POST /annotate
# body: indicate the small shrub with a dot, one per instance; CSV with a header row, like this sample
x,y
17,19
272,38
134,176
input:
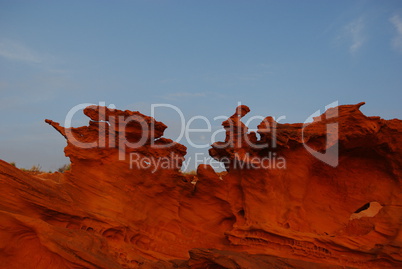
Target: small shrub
x,y
190,173
64,168
36,169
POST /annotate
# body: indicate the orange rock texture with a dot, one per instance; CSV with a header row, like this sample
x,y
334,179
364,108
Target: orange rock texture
x,y
321,195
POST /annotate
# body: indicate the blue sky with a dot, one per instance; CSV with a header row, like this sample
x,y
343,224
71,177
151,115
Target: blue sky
x,y
281,58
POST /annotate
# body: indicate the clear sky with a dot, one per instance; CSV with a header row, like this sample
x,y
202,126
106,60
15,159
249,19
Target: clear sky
x,y
281,58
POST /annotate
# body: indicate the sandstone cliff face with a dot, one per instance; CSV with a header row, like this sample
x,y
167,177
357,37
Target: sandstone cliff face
x,y
125,203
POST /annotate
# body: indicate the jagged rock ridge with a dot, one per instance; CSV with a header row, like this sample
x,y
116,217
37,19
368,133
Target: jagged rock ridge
x,y
303,213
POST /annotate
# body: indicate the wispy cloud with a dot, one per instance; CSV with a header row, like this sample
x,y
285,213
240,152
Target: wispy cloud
x,y
15,51
397,40
354,31
352,35
178,95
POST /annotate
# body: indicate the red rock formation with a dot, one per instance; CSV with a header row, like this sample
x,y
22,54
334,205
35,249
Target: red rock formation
x,y
278,206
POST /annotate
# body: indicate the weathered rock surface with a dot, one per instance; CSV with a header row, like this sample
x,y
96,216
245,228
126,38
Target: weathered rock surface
x,y
125,203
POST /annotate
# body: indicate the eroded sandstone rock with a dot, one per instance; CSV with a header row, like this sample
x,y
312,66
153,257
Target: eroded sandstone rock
x,y
301,213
